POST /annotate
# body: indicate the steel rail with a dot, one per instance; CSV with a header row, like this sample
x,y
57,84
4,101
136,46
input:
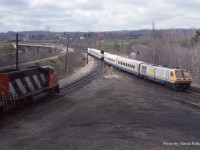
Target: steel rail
x,y
194,94
83,79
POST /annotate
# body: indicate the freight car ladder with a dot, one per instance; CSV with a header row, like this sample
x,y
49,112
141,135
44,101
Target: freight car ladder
x,y
4,101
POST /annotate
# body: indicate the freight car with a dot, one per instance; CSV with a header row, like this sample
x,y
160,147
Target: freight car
x,y
171,77
96,53
20,86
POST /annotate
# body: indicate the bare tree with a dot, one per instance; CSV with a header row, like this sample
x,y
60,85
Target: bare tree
x,y
171,48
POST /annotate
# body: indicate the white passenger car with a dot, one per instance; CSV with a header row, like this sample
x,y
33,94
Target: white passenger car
x,y
96,53
110,58
129,65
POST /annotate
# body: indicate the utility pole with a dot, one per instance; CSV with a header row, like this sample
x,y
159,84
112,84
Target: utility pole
x,y
17,50
99,43
66,60
99,39
17,45
122,46
79,38
96,41
114,45
87,48
87,40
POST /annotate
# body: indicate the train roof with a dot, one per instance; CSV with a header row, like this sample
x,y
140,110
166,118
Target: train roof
x,y
172,69
147,64
130,60
93,49
111,55
47,66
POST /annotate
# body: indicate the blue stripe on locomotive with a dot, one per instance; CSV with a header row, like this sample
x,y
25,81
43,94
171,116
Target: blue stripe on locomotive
x,y
161,81
147,76
129,71
173,85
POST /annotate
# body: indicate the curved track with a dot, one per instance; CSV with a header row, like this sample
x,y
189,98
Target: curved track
x,y
80,81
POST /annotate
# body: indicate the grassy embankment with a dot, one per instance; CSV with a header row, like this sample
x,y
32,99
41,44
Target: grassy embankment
x,y
6,49
74,61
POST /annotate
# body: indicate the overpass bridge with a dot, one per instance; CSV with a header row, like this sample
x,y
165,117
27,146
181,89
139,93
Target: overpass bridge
x,y
44,45
27,47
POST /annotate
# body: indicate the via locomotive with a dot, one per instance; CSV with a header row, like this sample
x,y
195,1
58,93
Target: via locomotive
x,y
21,86
178,79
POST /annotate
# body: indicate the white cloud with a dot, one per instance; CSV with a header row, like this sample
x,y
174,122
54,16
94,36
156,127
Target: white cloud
x,y
97,15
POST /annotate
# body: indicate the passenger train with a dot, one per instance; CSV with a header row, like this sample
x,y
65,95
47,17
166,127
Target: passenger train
x,y
178,79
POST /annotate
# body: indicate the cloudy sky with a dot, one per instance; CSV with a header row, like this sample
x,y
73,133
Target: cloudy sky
x,y
97,15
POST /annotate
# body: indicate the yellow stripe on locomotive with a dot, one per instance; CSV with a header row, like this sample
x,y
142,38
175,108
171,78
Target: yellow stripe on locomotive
x,y
180,76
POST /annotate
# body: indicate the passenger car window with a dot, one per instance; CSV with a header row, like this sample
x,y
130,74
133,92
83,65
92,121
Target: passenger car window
x,y
143,69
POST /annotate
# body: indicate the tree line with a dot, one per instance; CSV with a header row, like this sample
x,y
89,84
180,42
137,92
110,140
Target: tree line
x,y
172,49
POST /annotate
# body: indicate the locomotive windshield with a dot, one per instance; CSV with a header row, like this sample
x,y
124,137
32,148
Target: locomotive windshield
x,y
186,74
182,74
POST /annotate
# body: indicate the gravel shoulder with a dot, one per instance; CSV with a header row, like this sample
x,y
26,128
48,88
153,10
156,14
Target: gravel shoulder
x,y
79,72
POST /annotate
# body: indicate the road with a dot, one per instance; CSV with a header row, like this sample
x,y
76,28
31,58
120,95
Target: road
x,y
114,112
34,61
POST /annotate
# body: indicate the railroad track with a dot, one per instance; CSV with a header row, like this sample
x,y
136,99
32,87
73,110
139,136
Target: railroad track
x,y
189,97
92,74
